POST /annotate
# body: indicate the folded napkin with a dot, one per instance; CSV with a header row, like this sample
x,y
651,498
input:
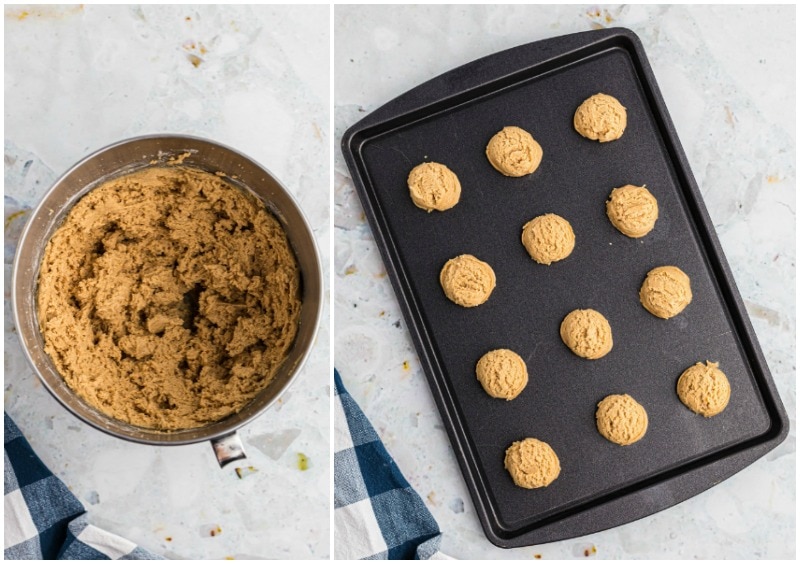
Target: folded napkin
x,y
43,520
377,515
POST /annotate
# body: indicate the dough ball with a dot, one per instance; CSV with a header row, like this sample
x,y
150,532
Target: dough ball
x,y
532,463
513,152
621,419
632,210
433,186
666,291
601,118
587,333
502,373
467,281
548,238
704,389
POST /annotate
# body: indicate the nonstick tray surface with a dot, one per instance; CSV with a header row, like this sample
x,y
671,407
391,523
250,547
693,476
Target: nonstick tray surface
x,y
538,87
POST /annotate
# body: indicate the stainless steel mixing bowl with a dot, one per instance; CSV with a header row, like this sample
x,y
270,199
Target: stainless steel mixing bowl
x,y
128,156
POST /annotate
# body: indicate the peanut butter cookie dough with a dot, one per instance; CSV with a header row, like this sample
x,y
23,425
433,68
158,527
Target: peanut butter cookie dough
x,y
548,238
514,152
704,389
502,373
587,333
621,419
168,298
433,186
467,281
632,210
532,463
601,118
666,291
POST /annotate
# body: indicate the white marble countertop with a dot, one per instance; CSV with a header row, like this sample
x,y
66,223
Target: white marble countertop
x,y
79,78
728,76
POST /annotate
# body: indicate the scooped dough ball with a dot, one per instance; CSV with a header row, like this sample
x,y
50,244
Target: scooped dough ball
x,y
601,118
514,152
633,210
587,333
467,281
433,186
532,463
502,373
666,291
548,238
621,419
704,389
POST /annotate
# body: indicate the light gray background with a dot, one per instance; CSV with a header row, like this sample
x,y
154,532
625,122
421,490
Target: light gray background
x,y
78,78
728,76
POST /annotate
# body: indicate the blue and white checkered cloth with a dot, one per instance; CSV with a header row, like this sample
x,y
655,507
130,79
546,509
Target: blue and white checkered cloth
x,y
377,515
43,520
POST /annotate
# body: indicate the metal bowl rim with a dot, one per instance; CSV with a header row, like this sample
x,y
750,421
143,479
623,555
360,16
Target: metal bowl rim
x,y
224,430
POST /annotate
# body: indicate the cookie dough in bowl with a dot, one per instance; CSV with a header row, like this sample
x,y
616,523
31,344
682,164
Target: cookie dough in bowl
x,y
171,152
168,298
532,463
587,333
548,238
666,291
467,280
633,210
502,373
704,389
433,186
621,419
514,152
601,118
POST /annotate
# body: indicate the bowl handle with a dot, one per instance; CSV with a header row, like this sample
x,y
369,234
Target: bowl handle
x,y
228,448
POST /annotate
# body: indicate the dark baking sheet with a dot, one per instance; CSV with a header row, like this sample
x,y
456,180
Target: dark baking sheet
x,y
538,87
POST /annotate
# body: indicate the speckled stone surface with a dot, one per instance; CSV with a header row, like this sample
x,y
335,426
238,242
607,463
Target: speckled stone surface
x,y
728,77
256,79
